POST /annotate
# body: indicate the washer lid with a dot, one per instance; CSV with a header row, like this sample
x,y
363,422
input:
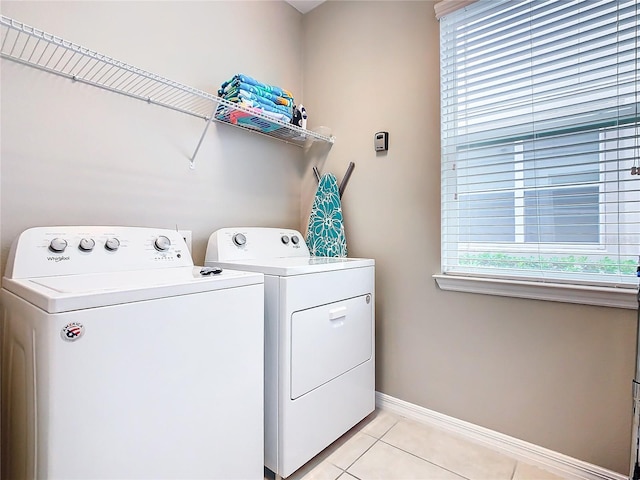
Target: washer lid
x,y
288,266
76,292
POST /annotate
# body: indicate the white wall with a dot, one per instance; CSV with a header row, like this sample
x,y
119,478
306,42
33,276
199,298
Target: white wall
x,y
74,154
554,374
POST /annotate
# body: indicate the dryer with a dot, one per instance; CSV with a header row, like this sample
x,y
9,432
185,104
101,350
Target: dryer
x,y
121,359
319,339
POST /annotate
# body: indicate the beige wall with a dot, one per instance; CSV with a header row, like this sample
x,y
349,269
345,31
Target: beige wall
x,y
74,154
554,374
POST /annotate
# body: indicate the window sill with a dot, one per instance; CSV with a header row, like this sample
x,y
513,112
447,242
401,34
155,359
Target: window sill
x,y
555,292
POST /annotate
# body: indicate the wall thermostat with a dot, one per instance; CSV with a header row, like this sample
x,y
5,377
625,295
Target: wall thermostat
x,y
381,141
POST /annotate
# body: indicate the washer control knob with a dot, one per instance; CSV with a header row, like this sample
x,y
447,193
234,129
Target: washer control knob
x,y
162,243
58,245
295,240
239,239
112,244
86,244
284,239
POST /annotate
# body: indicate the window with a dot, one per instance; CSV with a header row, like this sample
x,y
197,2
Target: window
x,y
540,131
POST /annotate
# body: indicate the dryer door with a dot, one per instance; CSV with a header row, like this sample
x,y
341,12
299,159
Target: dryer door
x,y
328,340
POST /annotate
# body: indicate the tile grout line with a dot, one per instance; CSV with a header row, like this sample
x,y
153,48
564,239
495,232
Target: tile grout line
x,y
380,439
460,437
377,439
515,467
417,456
360,456
351,474
425,460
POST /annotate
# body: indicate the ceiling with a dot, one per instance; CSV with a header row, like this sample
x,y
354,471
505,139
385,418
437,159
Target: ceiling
x,y
304,6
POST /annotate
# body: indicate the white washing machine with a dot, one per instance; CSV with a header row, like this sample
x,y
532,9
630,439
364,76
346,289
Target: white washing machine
x,y
121,360
319,339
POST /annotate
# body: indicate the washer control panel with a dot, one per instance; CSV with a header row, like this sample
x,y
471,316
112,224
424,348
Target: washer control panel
x,y
72,250
248,243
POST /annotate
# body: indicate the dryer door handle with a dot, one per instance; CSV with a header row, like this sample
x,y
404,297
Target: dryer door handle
x,y
336,313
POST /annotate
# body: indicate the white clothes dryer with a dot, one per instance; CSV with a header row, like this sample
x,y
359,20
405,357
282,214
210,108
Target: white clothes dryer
x,y
319,339
121,359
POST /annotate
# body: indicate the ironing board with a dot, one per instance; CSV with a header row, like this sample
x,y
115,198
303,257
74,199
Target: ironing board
x,y
325,232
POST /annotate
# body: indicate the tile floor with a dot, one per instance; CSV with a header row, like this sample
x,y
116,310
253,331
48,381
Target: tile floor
x,y
385,446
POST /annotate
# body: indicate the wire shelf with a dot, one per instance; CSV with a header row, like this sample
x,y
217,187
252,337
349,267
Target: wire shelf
x,y
35,48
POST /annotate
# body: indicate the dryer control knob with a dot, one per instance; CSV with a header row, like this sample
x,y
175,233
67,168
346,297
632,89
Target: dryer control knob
x,y
112,244
58,245
239,239
284,239
162,243
295,239
86,244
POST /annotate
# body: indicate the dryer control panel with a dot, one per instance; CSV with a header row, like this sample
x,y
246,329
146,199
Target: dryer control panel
x,y
74,250
250,243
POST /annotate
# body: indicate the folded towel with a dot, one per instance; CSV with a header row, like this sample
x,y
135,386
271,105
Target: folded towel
x,y
233,87
222,112
269,88
276,116
269,100
238,117
258,101
269,113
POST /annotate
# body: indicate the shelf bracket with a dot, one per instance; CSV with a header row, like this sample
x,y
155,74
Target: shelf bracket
x,y
192,160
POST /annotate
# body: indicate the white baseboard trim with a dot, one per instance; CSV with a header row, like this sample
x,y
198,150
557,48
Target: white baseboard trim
x,y
546,459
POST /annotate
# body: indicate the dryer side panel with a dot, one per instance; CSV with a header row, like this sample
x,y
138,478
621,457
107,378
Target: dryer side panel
x,y
271,376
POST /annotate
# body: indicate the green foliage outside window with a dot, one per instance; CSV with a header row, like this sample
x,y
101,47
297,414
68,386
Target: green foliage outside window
x,y
570,263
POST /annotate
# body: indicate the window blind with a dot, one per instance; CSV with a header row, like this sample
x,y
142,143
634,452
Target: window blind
x,y
540,135
445,7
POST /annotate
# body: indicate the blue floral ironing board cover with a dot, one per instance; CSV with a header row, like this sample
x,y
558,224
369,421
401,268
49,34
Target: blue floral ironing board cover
x,y
325,233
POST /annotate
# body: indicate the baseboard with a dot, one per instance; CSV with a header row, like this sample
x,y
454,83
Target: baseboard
x,y
549,460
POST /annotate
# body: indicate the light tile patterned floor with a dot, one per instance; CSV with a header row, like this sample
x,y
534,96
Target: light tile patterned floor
x,y
385,446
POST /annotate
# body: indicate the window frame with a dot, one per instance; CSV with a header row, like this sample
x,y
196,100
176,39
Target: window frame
x,y
573,290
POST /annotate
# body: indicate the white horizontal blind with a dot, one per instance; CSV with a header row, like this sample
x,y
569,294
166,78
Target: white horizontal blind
x,y
540,131
445,7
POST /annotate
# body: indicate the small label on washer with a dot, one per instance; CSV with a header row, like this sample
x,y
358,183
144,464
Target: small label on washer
x,y
72,331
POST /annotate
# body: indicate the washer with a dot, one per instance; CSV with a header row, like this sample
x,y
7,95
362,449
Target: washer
x,y
123,360
319,339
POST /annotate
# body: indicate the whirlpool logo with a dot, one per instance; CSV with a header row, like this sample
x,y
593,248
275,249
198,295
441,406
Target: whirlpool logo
x,y
57,259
